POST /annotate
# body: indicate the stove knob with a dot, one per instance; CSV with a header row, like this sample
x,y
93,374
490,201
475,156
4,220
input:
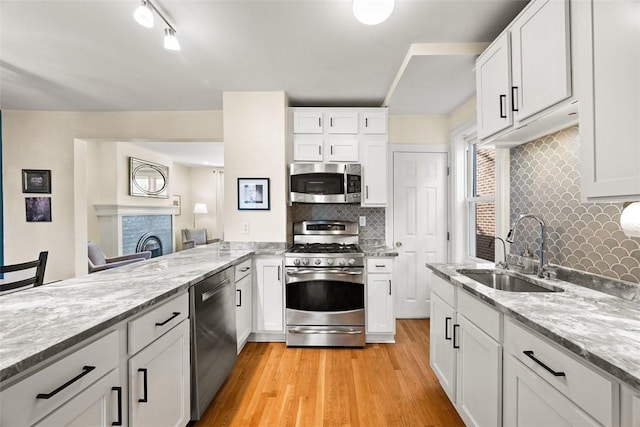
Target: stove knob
x,y
305,261
317,261
352,261
342,262
296,261
329,261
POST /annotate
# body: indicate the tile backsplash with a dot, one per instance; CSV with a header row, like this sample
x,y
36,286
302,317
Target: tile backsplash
x,y
545,180
373,233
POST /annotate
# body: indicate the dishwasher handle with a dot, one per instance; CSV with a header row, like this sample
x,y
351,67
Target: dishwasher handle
x,y
219,288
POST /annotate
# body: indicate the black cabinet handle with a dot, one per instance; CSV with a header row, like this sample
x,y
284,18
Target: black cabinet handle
x,y
239,291
144,385
455,336
278,273
173,316
530,355
389,287
447,336
513,98
319,122
245,269
331,122
366,190
119,391
320,150
366,122
85,371
503,99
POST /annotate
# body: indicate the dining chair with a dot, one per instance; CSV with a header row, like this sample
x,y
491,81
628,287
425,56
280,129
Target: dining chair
x,y
97,261
36,279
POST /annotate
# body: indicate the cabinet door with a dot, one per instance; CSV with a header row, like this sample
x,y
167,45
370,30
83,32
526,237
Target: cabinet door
x,y
159,381
478,375
99,405
493,86
341,149
308,149
629,407
373,156
243,310
269,295
343,122
609,90
442,357
307,122
380,304
530,401
373,122
541,64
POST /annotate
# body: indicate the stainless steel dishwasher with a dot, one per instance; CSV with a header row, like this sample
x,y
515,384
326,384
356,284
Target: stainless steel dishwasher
x,y
213,337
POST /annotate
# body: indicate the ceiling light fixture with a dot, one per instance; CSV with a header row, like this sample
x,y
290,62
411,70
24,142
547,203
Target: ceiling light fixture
x,y
372,12
144,16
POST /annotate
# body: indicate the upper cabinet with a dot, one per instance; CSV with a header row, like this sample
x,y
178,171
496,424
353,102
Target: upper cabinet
x,y
525,74
307,122
606,37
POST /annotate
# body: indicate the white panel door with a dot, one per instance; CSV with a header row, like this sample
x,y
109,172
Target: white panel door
x,y
419,226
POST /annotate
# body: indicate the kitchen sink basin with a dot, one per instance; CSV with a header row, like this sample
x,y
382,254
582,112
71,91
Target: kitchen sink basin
x,y
507,281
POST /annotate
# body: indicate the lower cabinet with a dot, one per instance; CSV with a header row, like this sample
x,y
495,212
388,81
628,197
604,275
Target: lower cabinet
x,y
442,354
243,302
380,320
159,381
269,295
629,407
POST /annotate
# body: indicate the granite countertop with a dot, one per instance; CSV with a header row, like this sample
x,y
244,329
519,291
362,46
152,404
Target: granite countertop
x,y
600,328
38,323
378,250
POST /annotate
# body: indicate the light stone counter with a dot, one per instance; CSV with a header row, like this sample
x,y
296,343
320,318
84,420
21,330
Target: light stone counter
x,y
38,323
600,328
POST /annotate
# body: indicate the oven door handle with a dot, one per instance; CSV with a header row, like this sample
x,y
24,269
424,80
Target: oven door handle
x,y
325,331
303,272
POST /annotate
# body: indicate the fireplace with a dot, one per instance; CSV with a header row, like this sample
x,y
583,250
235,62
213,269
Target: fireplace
x,y
150,242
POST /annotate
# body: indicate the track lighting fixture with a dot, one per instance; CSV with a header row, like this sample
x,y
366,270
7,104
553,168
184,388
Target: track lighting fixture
x,y
144,16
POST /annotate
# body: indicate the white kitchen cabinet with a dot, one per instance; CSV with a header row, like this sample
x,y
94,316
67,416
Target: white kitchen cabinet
x,y
331,149
373,122
343,121
100,404
629,407
269,295
373,157
441,352
159,381
380,316
607,65
243,276
493,88
307,121
540,58
308,149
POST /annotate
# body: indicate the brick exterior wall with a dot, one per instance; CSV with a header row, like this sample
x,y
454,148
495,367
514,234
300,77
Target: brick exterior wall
x,y
486,212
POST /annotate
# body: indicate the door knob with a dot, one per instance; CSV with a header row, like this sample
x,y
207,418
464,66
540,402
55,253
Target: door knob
x,y
398,243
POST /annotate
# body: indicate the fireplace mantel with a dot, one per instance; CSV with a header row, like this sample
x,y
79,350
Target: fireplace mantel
x,y
114,210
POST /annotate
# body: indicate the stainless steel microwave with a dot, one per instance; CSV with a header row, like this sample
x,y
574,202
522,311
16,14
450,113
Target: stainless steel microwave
x,y
325,182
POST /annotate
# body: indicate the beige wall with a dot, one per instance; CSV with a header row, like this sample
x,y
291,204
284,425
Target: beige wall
x,y
255,125
45,140
465,113
418,129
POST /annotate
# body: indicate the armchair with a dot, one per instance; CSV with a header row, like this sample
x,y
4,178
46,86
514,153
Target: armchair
x,y
194,237
98,261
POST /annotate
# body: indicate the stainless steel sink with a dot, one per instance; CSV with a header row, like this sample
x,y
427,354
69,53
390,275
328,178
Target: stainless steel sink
x,y
507,281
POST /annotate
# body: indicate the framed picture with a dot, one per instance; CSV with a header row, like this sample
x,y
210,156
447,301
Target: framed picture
x,y
38,209
253,194
176,202
36,181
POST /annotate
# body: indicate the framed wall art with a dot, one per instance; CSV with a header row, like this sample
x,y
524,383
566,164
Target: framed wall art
x,y
36,181
38,209
176,202
253,194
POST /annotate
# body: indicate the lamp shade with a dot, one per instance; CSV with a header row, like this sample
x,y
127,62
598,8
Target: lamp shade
x,y
200,208
170,40
372,12
630,220
143,15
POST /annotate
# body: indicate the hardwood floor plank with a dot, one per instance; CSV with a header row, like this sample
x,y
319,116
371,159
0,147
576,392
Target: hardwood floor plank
x,y
380,385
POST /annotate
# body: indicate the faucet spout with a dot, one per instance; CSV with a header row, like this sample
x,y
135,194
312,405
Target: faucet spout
x,y
543,235
504,264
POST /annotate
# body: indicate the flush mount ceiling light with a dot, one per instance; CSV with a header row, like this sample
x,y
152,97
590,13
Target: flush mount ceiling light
x,y
372,12
144,16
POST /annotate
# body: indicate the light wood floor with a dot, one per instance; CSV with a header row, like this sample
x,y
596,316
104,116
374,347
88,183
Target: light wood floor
x,y
381,385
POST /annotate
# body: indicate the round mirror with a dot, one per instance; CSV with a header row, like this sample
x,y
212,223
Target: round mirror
x,y
148,179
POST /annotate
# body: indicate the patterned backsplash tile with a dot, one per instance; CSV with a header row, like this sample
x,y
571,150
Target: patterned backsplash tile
x,y
373,231
545,180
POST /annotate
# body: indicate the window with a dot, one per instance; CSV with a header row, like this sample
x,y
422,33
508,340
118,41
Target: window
x,y
481,205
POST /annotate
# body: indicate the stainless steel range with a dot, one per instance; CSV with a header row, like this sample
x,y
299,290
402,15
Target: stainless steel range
x,y
325,285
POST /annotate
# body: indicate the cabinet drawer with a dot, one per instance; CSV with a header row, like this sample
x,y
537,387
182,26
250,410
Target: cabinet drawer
x,y
482,315
379,265
153,324
61,381
443,289
590,390
243,269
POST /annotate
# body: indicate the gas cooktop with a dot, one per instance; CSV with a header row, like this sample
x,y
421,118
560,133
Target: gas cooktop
x,y
325,248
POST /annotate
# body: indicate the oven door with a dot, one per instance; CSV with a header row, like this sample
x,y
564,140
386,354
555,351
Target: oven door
x,y
325,183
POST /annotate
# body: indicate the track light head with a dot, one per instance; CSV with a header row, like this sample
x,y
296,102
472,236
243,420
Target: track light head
x,y
170,39
143,15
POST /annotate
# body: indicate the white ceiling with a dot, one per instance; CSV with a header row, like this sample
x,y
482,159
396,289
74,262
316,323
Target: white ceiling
x,y
91,55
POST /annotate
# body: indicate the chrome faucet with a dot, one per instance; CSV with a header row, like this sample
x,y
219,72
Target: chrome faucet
x,y
504,263
542,267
